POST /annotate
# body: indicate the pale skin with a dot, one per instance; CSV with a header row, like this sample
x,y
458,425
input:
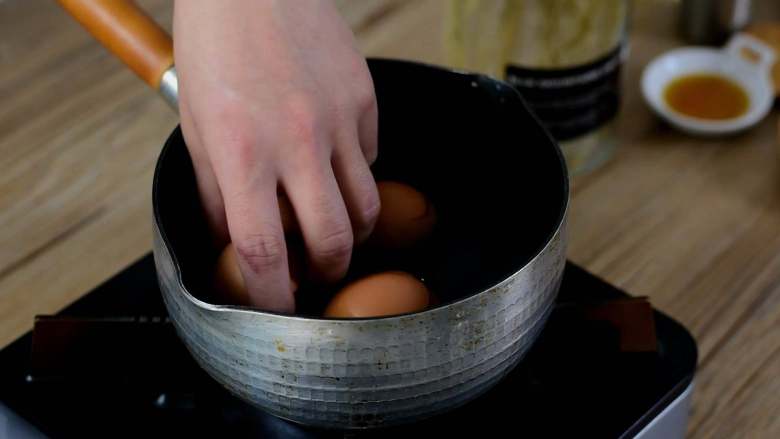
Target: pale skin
x,y
275,99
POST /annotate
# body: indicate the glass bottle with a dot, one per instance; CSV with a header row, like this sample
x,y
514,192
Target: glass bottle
x,y
564,57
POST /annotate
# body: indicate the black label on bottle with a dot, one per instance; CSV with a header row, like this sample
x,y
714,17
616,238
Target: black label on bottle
x,y
575,100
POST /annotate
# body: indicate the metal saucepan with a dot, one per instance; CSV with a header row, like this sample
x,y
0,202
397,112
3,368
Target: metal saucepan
x,y
500,187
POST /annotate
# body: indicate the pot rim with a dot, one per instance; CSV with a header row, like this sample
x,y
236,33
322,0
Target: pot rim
x,y
561,219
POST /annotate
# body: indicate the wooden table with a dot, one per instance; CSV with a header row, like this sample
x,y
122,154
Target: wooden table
x,y
693,224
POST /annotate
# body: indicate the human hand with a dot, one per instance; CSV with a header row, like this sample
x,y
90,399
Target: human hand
x,y
275,99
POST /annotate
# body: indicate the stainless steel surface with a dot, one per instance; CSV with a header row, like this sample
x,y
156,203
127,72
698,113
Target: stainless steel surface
x,y
367,373
713,21
169,88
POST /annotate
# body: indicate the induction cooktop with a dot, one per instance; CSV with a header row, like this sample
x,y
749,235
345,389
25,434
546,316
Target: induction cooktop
x,y
110,365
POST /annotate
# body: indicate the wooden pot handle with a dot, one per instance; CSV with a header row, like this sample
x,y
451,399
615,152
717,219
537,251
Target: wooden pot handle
x,y
124,29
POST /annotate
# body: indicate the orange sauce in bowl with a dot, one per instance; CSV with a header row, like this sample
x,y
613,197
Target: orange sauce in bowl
x,y
707,96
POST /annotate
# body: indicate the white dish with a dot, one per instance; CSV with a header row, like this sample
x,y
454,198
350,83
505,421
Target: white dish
x,y
754,77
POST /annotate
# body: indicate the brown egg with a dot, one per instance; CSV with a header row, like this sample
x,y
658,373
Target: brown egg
x,y
405,218
382,294
229,282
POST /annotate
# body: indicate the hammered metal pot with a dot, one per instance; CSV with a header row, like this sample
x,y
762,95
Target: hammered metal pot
x,y
499,185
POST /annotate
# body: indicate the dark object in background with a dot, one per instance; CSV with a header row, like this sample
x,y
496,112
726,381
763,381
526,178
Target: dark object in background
x,y
713,21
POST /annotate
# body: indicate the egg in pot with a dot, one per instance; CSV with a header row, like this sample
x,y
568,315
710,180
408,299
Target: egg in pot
x,y
405,218
382,294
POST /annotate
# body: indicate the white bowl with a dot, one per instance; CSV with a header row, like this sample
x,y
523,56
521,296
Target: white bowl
x,y
728,62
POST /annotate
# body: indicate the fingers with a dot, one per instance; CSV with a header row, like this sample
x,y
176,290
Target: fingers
x,y
316,199
256,229
358,189
249,190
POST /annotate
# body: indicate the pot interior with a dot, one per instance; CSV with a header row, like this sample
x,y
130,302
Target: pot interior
x,y
495,177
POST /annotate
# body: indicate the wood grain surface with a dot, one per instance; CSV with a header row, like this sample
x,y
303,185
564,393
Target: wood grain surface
x,y
693,224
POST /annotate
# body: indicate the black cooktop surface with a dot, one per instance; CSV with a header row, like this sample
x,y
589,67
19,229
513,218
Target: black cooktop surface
x,y
128,376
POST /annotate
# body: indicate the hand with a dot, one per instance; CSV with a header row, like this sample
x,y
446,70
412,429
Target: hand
x,y
275,99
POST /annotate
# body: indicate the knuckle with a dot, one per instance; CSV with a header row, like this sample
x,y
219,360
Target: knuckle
x,y
368,211
335,246
366,97
242,146
234,133
261,251
302,120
